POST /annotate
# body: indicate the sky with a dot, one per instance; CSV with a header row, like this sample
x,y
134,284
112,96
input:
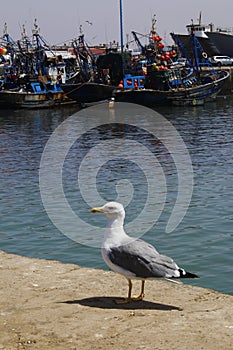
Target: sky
x,y
60,21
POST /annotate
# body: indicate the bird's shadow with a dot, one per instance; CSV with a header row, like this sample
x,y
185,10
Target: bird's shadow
x,y
111,303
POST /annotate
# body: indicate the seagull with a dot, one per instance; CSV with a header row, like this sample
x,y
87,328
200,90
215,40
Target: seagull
x,y
132,257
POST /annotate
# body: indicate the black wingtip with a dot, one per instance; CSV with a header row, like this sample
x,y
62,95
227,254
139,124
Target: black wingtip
x,y
185,274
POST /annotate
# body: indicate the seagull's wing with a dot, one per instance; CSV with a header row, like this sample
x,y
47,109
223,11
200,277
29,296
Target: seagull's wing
x,y
143,260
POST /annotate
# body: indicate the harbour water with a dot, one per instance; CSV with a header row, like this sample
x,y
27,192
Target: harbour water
x,y
201,243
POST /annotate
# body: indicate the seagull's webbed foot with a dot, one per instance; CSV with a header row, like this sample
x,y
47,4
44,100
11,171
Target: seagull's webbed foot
x,y
139,297
130,299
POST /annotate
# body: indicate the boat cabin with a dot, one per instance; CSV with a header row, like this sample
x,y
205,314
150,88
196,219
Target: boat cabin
x,y
134,82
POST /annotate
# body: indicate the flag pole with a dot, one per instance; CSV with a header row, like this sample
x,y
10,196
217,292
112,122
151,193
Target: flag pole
x,y
121,27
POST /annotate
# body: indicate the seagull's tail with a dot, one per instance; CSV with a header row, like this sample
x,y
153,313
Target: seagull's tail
x,y
185,274
182,274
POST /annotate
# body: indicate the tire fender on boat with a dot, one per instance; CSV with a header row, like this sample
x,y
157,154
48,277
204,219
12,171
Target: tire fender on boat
x,y
49,95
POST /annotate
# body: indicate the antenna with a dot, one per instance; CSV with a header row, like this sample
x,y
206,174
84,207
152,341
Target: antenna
x,y
5,29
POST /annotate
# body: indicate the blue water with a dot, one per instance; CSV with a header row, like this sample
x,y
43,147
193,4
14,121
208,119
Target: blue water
x,y
202,243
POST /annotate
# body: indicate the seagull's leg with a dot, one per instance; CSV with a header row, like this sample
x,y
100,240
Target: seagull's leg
x,y
128,299
141,295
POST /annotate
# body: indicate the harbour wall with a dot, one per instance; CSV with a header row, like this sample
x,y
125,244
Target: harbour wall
x,y
228,86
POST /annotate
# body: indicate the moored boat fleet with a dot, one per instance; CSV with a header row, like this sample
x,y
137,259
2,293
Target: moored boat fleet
x,y
35,75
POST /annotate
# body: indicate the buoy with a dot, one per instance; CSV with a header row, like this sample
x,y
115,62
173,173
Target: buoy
x,y
121,84
160,45
157,38
3,51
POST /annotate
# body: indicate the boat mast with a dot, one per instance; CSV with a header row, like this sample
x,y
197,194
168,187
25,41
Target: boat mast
x,y
121,27
153,33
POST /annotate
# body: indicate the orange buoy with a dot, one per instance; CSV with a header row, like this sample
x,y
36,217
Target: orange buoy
x,y
160,45
3,51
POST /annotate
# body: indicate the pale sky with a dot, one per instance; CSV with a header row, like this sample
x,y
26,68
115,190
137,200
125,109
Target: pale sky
x,y
59,21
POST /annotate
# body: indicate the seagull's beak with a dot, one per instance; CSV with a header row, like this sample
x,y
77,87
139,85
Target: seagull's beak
x,y
97,210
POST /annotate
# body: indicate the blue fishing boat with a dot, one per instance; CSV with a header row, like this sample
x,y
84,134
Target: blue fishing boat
x,y
33,95
168,83
173,90
26,81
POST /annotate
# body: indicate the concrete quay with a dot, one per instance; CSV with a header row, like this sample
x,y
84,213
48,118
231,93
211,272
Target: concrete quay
x,y
228,86
47,305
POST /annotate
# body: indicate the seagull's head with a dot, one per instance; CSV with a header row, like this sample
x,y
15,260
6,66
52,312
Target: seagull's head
x,y
111,209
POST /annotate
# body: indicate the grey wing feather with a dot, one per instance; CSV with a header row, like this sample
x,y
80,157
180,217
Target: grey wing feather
x,y
143,260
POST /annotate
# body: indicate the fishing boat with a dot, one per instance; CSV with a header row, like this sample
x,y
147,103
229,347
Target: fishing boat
x,y
166,83
173,90
33,95
216,41
26,80
92,82
88,92
53,80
